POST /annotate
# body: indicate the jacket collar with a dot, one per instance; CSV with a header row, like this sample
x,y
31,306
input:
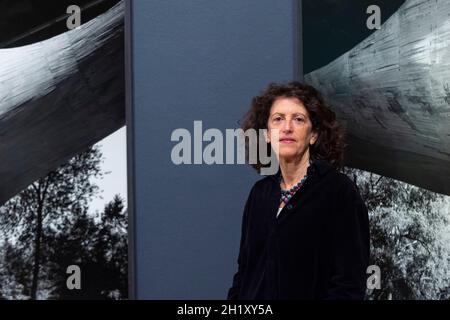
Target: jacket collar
x,y
317,167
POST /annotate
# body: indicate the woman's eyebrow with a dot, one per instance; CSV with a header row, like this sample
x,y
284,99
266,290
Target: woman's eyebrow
x,y
294,114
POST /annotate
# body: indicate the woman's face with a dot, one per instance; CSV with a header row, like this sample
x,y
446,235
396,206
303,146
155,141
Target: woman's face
x,y
291,118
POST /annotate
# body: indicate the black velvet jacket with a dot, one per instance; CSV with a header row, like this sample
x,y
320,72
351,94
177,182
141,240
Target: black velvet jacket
x,y
317,248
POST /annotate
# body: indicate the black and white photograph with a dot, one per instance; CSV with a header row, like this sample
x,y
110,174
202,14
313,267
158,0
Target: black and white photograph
x,y
63,173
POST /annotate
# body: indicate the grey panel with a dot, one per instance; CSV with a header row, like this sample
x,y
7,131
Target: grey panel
x,y
197,60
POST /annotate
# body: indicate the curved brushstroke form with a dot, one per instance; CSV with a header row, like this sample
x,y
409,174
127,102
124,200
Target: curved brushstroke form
x,y
392,92
58,97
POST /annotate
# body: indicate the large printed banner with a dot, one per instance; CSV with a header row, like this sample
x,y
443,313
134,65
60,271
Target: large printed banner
x,y
63,216
384,68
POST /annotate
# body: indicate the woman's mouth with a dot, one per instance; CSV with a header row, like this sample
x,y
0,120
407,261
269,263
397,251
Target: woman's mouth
x,y
287,140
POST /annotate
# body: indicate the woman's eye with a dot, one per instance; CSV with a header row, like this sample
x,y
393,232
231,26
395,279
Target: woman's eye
x,y
277,119
299,119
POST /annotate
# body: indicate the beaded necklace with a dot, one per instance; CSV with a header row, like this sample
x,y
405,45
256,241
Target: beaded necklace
x,y
287,194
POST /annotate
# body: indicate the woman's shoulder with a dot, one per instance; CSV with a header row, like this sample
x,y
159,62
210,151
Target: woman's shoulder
x,y
263,186
347,188
344,180
264,183
341,184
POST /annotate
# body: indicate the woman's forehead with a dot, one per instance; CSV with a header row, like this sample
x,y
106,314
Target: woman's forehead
x,y
288,105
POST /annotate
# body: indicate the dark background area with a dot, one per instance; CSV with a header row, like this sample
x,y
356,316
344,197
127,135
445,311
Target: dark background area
x,y
24,22
332,27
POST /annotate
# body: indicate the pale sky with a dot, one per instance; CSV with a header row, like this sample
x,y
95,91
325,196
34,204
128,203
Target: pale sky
x,y
114,149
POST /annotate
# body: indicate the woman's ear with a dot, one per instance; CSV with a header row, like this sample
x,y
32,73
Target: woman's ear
x,y
313,139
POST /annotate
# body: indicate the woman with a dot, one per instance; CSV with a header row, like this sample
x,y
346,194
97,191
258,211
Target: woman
x,y
305,230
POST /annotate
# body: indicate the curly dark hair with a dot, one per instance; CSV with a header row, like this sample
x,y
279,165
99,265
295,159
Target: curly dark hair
x,y
330,141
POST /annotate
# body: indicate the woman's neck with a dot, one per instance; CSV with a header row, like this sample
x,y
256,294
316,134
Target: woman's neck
x,y
294,170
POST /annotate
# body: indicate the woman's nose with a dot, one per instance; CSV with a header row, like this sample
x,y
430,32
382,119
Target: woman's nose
x,y
287,126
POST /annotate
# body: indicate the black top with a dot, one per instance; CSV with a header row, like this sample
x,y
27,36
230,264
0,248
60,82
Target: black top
x,y
317,248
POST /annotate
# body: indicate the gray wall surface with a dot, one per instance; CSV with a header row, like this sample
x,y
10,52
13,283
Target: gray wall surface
x,y
197,60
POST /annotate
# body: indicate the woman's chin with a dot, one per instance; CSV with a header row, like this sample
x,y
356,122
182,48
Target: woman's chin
x,y
286,156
